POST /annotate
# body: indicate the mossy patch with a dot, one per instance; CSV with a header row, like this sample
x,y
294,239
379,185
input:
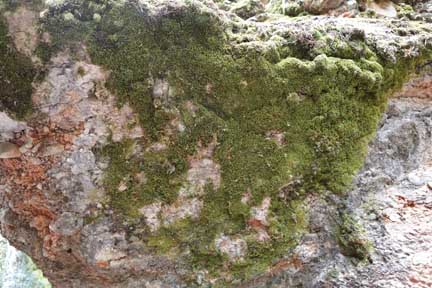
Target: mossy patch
x,y
352,238
325,106
290,8
16,76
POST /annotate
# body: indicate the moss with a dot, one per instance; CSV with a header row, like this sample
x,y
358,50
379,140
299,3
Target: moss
x,y
352,239
290,8
332,46
44,52
247,8
240,95
81,71
91,218
12,5
405,10
16,76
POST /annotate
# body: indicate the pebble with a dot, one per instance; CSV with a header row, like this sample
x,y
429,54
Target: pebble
x,y
27,146
9,150
36,148
122,187
421,258
8,126
51,150
385,8
414,179
392,215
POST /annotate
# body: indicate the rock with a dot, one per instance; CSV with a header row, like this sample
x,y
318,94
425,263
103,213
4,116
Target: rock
x,y
235,249
421,258
156,147
415,179
23,29
384,8
8,127
182,209
68,224
27,146
248,8
198,145
141,178
18,270
391,215
51,150
151,214
122,187
9,151
399,237
161,93
321,6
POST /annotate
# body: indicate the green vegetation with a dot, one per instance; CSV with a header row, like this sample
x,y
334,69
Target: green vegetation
x,y
290,8
16,76
352,239
325,105
247,8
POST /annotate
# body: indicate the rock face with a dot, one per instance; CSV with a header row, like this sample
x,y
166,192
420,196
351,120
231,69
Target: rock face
x,y
321,7
393,184
208,144
17,270
391,199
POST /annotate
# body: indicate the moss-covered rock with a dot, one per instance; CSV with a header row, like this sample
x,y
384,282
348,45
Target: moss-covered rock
x,y
352,239
248,8
241,122
325,106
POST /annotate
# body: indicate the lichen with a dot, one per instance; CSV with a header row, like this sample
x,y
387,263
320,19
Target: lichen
x,y
326,102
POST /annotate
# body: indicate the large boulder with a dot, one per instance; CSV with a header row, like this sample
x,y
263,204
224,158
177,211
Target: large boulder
x,y
175,144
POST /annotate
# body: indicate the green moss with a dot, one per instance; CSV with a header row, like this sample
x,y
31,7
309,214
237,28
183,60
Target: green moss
x,y
352,239
12,5
91,219
327,108
44,51
405,10
247,8
290,8
16,76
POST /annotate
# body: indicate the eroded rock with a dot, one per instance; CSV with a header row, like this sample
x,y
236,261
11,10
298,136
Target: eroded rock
x,y
235,248
179,145
9,126
23,29
321,7
9,151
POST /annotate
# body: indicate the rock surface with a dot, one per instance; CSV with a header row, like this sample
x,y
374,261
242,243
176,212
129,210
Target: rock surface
x,y
213,143
18,270
390,199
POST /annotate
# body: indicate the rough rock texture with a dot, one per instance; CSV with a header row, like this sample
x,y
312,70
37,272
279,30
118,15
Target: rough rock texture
x,y
17,269
391,199
175,144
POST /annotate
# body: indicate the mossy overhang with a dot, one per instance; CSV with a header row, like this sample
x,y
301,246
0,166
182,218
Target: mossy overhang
x,y
322,94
